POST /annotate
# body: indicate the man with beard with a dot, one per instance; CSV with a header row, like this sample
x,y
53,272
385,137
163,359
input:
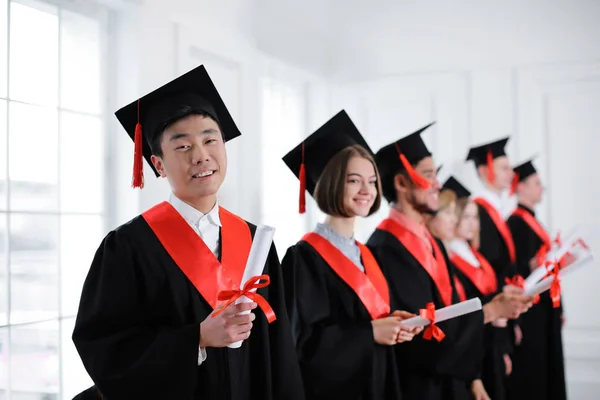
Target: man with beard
x,y
418,272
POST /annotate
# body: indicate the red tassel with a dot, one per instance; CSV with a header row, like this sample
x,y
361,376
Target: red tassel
x,y
138,155
414,176
515,183
302,177
490,165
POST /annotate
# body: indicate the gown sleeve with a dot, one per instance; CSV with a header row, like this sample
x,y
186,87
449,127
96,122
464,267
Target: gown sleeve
x,y
287,379
335,355
125,353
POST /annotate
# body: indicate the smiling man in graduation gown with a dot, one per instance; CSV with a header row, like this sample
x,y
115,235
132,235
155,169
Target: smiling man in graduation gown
x,y
538,364
498,247
148,325
418,272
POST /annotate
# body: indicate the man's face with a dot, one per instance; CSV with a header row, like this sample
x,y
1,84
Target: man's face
x,y
424,200
503,173
194,159
531,189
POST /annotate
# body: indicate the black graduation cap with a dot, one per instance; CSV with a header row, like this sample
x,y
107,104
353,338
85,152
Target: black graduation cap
x,y
458,189
193,89
524,170
316,150
389,162
480,154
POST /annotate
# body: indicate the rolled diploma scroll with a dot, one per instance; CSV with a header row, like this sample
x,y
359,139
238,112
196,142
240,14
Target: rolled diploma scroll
x,y
443,314
259,252
537,274
544,284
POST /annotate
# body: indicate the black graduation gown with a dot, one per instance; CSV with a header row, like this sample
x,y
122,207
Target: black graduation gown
x,y
493,247
538,363
429,370
137,330
493,369
332,329
89,394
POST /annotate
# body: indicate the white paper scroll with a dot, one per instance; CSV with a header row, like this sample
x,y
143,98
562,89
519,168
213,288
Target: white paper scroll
x,y
259,252
568,244
544,284
446,313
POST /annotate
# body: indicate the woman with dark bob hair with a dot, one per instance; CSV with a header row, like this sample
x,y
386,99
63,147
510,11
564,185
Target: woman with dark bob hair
x,y
336,295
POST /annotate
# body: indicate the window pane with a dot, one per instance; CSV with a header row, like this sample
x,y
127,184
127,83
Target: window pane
x,y
81,163
80,236
3,156
34,53
33,161
283,111
3,362
34,363
75,378
3,51
80,63
33,267
3,270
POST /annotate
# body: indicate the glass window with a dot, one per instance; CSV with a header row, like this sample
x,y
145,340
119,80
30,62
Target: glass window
x,y
33,267
80,236
3,270
34,360
34,53
53,63
81,163
80,63
33,158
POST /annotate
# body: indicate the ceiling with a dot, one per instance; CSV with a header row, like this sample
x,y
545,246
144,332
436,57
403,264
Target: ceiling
x,y
351,39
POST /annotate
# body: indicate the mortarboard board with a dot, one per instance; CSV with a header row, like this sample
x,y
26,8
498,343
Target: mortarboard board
x,y
480,154
308,160
524,170
458,189
485,154
402,155
143,117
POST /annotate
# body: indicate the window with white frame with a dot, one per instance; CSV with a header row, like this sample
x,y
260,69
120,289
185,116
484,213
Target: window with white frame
x,y
52,174
283,127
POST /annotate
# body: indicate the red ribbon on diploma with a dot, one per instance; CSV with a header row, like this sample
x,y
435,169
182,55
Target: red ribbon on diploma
x,y
582,243
557,240
433,330
254,283
519,282
555,289
541,254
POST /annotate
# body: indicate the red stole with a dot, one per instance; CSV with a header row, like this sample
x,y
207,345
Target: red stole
x,y
484,277
435,266
194,258
370,287
500,225
534,225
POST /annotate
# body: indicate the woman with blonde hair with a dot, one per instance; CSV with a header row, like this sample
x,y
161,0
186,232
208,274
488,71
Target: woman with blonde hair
x,y
456,223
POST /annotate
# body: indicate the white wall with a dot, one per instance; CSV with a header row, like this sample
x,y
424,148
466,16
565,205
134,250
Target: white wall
x,y
485,72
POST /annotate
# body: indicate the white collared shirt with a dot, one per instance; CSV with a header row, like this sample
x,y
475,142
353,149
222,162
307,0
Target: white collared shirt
x,y
207,226
493,198
462,249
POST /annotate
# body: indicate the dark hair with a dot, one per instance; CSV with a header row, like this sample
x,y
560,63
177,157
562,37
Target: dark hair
x,y
329,191
179,114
